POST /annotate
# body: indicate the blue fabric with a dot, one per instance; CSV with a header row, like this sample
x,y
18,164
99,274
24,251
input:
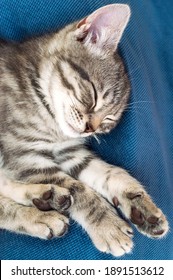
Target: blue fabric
x,y
142,143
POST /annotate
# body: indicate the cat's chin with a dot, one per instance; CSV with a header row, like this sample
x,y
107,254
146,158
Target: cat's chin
x,y
69,131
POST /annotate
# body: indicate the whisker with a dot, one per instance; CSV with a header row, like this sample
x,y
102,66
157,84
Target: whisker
x,y
132,105
97,138
137,111
104,140
142,101
135,107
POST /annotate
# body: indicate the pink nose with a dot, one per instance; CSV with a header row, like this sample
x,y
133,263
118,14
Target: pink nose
x,y
89,128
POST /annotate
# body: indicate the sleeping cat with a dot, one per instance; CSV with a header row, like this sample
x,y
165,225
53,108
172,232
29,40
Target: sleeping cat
x,y
56,90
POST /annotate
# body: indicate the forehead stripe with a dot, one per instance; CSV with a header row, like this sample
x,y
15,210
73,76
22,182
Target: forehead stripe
x,y
65,82
63,78
84,75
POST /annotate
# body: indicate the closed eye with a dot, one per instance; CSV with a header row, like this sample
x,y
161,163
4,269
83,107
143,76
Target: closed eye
x,y
108,119
94,96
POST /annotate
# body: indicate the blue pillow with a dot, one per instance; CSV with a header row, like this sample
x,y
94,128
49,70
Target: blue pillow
x,y
142,142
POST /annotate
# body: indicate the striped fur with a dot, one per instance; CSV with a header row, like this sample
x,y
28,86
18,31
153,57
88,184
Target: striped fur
x,y
55,90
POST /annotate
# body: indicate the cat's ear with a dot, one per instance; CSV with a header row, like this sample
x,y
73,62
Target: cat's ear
x,y
102,30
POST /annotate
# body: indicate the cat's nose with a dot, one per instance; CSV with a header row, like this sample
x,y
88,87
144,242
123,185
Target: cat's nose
x,y
89,128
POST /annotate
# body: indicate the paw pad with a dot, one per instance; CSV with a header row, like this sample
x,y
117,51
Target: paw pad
x,y
51,200
42,204
153,220
137,217
115,201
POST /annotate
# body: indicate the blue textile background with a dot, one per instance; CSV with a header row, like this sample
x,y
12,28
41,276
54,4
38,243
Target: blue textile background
x,y
142,143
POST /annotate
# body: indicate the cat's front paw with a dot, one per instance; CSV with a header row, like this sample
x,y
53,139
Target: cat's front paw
x,y
54,197
45,225
113,235
137,205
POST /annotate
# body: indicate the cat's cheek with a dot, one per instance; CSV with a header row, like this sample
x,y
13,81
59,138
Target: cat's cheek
x,y
65,128
69,131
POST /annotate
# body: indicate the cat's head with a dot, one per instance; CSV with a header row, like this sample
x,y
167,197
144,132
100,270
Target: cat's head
x,y
89,84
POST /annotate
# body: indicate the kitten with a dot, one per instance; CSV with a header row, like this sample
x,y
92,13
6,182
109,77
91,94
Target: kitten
x,y
55,91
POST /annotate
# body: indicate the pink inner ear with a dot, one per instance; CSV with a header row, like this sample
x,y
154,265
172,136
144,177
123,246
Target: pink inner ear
x,y
111,16
108,21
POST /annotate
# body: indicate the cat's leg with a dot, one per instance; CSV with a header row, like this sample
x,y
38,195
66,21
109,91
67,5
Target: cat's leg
x,y
44,196
30,220
107,230
118,187
128,194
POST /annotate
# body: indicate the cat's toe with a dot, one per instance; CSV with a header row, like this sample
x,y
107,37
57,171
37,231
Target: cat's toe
x,y
121,245
45,225
65,201
113,236
50,224
116,243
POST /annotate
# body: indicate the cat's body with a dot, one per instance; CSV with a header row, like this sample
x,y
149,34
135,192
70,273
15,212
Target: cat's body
x,y
54,91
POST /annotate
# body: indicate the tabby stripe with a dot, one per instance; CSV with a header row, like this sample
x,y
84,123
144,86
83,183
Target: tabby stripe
x,y
27,139
54,180
37,171
42,153
97,217
45,153
82,73
30,127
44,103
106,94
63,159
17,71
41,96
24,125
76,170
33,139
69,150
66,83
1,147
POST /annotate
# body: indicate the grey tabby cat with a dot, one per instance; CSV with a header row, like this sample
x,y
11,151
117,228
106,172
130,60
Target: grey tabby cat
x,y
55,91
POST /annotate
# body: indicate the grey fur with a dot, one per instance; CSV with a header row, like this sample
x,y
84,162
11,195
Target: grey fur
x,y
39,146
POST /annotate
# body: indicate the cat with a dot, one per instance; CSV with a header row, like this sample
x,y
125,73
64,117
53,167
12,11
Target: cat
x,y
55,91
